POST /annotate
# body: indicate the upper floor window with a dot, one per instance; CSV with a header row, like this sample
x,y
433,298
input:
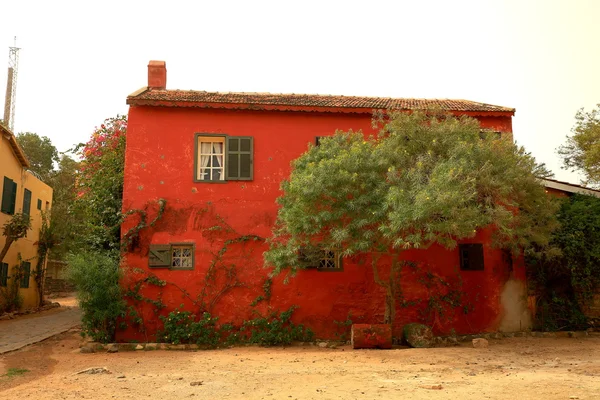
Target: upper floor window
x,y
27,202
221,158
9,196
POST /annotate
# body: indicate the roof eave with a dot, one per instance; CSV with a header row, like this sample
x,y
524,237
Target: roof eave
x,y
12,140
132,100
570,188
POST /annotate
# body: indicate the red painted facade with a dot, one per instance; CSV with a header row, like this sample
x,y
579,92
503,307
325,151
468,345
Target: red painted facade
x,y
160,164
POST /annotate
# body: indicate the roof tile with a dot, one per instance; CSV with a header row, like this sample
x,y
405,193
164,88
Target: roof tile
x,y
215,99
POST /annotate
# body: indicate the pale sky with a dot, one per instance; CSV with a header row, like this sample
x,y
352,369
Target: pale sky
x,y
80,59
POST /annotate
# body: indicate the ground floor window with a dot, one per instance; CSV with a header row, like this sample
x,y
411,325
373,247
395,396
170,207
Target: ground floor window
x,y
173,256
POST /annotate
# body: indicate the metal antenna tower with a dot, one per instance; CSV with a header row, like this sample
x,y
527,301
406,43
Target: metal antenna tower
x,y
11,86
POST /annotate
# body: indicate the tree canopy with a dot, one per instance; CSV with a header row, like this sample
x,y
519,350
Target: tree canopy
x,y
40,152
582,150
99,187
425,178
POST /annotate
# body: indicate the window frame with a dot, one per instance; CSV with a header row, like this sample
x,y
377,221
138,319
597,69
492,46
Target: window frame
x,y
479,257
27,197
169,248
226,153
26,274
12,200
3,274
183,244
338,260
197,150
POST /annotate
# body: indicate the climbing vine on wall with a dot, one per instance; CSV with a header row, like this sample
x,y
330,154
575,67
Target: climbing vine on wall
x,y
445,298
197,323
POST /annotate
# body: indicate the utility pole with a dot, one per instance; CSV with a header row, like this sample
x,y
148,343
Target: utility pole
x,y
11,86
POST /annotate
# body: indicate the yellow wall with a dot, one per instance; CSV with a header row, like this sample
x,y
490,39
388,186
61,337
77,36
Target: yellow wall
x,y
27,247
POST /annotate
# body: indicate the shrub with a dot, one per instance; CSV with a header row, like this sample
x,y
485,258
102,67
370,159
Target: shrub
x,y
276,330
182,327
96,277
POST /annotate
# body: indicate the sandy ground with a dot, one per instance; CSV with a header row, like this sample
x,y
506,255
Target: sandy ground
x,y
520,368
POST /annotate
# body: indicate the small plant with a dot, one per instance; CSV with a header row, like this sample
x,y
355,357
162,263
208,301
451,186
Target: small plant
x,y
181,327
15,372
344,327
276,330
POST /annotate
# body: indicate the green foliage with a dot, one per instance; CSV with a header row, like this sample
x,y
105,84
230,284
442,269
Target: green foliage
x,y
344,327
582,150
267,284
65,218
15,372
40,153
182,327
46,241
100,185
426,178
14,229
10,298
275,330
96,276
562,282
579,240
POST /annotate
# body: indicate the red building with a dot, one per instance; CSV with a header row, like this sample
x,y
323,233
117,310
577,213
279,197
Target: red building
x,y
217,160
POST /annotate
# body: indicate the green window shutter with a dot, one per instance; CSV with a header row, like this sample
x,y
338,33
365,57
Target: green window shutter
x,y
6,195
240,158
159,256
3,274
26,266
27,202
13,198
39,204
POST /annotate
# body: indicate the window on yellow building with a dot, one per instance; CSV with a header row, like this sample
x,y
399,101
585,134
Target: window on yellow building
x,y
9,196
27,202
26,267
3,274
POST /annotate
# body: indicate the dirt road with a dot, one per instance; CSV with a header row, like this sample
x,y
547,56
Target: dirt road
x,y
520,368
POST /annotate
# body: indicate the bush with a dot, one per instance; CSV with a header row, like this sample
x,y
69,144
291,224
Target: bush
x,y
565,282
96,277
276,330
182,327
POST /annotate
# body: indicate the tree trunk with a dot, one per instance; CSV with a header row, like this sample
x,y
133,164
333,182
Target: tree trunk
x,y
390,287
7,244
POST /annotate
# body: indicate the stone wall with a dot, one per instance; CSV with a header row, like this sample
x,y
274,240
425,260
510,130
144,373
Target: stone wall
x,y
53,285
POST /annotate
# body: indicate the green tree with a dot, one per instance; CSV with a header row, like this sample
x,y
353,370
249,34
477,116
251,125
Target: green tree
x,y
582,150
425,179
564,282
99,186
64,217
40,152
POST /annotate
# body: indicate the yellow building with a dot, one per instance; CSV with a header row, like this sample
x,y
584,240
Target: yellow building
x,y
22,192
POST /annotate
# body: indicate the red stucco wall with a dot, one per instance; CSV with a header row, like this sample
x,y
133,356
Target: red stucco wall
x,y
160,164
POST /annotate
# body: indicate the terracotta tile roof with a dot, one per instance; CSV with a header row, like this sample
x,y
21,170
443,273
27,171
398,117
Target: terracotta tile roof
x,y
184,98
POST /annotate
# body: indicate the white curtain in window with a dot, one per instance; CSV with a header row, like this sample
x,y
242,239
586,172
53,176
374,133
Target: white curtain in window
x,y
205,154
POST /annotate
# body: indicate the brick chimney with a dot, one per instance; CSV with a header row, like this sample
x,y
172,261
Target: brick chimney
x,y
157,75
